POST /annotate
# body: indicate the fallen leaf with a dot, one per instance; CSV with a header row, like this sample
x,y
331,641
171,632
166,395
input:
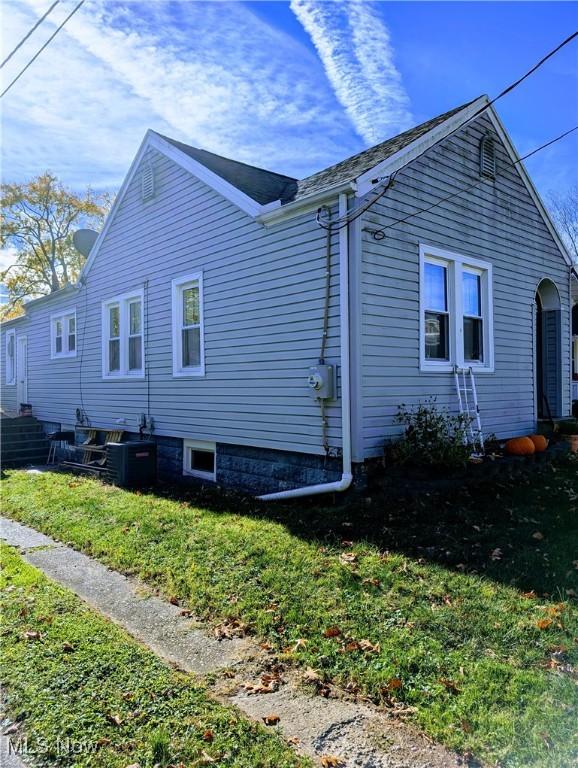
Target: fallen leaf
x,y
351,646
529,595
230,628
208,735
372,582
369,647
173,600
543,623
538,536
497,554
186,613
393,684
206,758
348,557
332,632
11,729
301,643
32,634
271,719
311,676
67,647
104,742
331,761
114,719
449,685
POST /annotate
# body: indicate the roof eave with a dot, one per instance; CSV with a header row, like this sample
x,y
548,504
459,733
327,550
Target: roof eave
x,y
275,212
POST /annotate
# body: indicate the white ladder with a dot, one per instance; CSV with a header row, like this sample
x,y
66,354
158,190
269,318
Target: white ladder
x,y
468,404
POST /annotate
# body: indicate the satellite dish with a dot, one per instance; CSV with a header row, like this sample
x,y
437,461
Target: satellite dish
x,y
83,240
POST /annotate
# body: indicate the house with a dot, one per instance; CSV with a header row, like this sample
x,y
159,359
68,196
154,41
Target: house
x,y
201,309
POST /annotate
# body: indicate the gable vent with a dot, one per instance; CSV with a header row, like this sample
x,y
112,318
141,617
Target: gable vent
x,y
488,158
147,182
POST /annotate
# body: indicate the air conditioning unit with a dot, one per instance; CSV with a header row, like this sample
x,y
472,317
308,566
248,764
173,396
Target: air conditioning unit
x,y
131,464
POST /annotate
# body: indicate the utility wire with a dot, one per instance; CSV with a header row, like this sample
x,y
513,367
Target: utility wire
x,y
345,220
27,35
475,184
46,44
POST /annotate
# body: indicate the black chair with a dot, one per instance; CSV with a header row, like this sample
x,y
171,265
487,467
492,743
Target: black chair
x,y
58,437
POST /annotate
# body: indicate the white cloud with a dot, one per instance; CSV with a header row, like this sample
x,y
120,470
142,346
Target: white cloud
x,y
354,46
211,74
8,257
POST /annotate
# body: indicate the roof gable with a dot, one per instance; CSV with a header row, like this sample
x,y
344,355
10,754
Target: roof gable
x,y
270,196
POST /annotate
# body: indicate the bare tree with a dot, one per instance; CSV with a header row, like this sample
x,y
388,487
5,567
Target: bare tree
x,y
564,210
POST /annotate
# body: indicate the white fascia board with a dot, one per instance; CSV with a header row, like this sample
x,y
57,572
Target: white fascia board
x,y
227,190
525,176
273,214
418,147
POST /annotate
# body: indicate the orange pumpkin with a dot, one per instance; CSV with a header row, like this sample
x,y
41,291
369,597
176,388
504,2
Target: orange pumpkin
x,y
520,446
540,443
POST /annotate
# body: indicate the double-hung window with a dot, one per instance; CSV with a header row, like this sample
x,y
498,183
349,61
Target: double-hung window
x,y
456,315
10,366
122,336
187,310
63,334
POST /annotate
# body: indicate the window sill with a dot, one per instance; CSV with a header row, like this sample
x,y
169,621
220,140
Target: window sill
x,y
193,373
450,368
124,377
65,356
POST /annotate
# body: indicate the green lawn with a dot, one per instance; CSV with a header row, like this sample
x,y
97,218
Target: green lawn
x,y
76,681
483,661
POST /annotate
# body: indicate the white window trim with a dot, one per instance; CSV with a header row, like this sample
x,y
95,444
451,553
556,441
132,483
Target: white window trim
x,y
10,380
199,445
455,264
123,302
63,317
177,286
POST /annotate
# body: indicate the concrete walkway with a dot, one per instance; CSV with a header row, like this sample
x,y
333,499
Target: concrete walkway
x,y
358,734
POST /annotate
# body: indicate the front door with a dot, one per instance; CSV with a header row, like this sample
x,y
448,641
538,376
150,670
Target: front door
x,y
21,371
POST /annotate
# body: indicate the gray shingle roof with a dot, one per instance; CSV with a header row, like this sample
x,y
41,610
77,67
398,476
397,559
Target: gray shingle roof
x,y
267,186
261,185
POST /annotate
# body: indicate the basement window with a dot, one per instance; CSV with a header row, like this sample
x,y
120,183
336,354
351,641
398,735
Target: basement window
x,y
63,335
200,459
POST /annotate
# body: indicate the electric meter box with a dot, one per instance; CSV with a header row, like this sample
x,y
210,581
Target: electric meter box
x,y
321,382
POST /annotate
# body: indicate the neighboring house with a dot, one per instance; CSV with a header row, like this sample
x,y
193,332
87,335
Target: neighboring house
x,y
202,306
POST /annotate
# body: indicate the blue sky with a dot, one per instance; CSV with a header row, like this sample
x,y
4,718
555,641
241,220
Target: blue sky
x,y
289,86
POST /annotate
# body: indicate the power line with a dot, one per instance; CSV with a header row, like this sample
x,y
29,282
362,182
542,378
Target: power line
x,y
46,44
345,220
475,184
26,36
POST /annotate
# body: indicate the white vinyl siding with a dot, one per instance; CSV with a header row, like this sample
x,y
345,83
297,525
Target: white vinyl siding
x,y
456,318
187,313
10,370
122,336
63,335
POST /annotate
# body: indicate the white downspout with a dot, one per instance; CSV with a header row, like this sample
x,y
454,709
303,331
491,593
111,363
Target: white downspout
x,y
346,476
